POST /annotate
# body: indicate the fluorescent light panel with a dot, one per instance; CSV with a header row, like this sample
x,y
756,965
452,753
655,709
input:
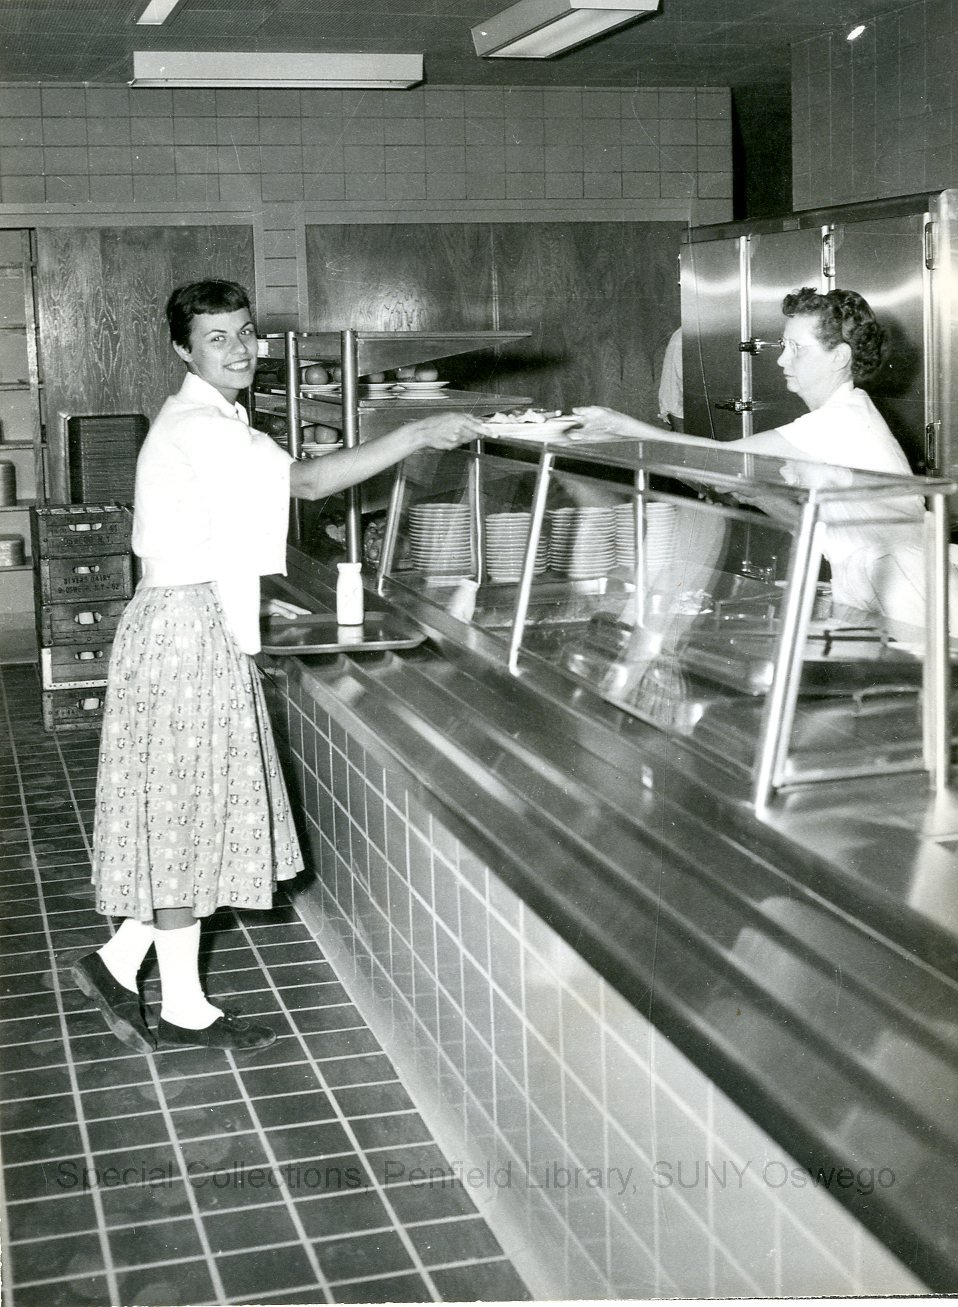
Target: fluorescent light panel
x,y
252,68
538,29
157,12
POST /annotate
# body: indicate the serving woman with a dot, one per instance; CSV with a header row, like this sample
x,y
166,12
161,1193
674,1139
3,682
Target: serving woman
x,y
191,810
831,343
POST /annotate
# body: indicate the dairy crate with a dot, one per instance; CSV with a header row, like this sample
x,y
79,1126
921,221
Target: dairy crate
x,y
73,710
80,622
107,576
80,530
74,665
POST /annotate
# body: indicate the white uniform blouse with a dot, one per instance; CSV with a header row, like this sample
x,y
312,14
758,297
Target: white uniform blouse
x,y
876,566
211,503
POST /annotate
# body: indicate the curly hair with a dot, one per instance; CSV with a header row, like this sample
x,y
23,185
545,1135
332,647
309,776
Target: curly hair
x,y
186,302
843,315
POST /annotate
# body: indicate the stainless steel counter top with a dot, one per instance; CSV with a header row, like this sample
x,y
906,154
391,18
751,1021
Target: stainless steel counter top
x,y
806,959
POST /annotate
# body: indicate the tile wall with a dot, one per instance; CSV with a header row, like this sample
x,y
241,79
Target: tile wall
x,y
876,117
648,152
427,154
607,1164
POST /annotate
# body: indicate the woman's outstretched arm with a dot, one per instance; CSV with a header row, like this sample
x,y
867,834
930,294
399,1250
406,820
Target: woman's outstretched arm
x,y
315,478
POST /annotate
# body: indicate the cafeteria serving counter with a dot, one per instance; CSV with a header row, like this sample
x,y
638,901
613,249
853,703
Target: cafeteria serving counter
x,y
685,1043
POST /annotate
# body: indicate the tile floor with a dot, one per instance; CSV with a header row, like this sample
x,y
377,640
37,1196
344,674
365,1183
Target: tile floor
x,y
294,1174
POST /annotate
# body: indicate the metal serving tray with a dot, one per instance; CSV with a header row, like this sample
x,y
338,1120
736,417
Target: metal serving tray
x,y
319,633
838,661
865,732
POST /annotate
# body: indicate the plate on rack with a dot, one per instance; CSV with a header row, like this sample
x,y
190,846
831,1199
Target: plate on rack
x,y
421,385
377,387
312,449
546,430
330,388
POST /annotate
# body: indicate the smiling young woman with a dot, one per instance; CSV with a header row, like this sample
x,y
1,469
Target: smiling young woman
x,y
191,810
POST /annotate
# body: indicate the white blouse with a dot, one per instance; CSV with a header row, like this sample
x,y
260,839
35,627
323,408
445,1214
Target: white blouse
x,y
877,565
211,503
847,430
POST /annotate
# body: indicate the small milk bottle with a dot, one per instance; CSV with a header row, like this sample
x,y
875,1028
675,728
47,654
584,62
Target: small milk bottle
x,y
349,595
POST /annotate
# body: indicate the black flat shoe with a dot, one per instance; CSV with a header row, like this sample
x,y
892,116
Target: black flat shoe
x,y
118,1006
229,1031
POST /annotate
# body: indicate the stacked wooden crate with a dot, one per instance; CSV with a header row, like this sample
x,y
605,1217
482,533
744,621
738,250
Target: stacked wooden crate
x,y
83,572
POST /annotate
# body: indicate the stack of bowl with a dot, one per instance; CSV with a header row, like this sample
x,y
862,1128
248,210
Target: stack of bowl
x,y
440,539
582,542
506,536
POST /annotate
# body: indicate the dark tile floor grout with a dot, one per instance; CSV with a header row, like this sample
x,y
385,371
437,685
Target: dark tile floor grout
x,y
192,1176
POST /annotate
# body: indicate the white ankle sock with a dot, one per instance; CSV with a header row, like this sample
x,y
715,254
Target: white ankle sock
x,y
123,953
183,1000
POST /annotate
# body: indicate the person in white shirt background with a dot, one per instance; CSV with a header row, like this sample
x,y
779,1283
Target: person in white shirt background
x,y
191,810
671,403
831,344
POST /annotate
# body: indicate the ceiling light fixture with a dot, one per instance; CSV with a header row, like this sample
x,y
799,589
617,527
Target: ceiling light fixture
x,y
856,32
287,70
538,29
157,12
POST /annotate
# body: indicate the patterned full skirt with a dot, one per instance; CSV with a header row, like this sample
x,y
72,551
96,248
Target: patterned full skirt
x,y
191,807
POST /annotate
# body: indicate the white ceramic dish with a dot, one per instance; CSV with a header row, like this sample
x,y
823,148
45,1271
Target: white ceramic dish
x,y
421,385
310,449
547,430
330,388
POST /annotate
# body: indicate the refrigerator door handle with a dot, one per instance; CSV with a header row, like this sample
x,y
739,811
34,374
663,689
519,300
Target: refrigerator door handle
x,y
929,238
755,346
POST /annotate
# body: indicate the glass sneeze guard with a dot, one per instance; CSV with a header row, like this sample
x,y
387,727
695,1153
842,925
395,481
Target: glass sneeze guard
x,y
683,581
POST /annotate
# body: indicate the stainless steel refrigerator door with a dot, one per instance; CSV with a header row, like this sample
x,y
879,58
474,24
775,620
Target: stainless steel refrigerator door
x,y
883,259
779,262
943,438
712,309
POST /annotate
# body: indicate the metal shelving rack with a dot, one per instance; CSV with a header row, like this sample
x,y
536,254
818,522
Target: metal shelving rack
x,y
361,353
20,434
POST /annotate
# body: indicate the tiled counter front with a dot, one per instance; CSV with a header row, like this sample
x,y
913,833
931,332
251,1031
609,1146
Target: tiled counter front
x,y
607,1163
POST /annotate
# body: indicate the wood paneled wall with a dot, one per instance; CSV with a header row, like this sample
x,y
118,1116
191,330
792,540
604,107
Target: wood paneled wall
x,y
104,344
600,299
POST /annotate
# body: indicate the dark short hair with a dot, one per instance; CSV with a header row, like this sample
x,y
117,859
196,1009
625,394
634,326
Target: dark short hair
x,y
843,315
201,297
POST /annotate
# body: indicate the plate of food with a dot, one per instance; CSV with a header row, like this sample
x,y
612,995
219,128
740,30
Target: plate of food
x,y
331,388
421,385
531,423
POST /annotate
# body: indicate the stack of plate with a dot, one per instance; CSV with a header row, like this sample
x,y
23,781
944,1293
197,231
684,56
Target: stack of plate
x,y
660,542
625,535
582,541
506,536
440,539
